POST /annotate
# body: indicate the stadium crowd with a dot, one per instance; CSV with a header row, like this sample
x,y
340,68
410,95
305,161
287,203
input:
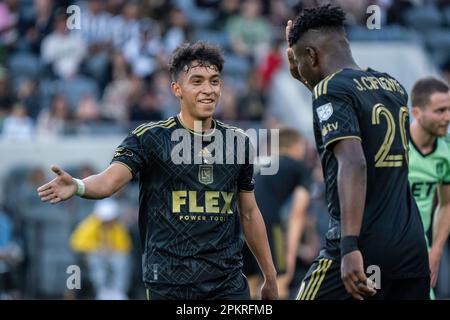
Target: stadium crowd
x,y
111,74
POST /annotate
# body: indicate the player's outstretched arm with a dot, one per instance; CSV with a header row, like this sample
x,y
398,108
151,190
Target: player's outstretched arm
x,y
441,230
352,183
98,186
255,234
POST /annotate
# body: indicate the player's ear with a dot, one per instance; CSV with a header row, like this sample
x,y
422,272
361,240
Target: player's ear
x,y
312,56
176,90
416,111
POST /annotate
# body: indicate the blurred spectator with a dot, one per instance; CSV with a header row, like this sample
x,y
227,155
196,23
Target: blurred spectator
x,y
29,97
116,95
141,52
53,121
156,9
249,32
252,104
18,125
11,254
355,10
147,108
96,31
177,31
8,22
228,107
107,245
87,109
270,64
167,102
33,28
5,96
125,26
227,9
62,49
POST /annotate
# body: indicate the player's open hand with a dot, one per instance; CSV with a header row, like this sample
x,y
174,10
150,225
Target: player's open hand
x,y
269,289
353,276
61,188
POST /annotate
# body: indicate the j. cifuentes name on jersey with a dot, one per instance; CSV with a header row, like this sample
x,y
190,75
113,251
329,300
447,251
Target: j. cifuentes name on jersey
x,y
378,83
213,206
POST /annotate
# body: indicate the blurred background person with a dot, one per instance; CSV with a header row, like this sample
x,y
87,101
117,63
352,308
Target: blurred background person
x,y
106,244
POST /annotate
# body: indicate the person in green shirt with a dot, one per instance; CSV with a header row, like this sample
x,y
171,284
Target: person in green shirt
x,y
429,162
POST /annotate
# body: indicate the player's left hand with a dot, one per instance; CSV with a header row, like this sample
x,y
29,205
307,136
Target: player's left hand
x,y
435,259
353,276
269,289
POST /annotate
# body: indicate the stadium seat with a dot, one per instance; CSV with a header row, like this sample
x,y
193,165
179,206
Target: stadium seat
x,y
438,42
216,37
24,64
424,18
75,89
387,33
446,14
236,66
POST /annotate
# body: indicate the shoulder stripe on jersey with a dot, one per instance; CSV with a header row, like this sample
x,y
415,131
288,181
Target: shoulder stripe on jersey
x,y
322,87
138,131
162,125
341,138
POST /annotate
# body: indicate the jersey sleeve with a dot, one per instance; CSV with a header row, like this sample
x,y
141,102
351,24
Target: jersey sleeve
x,y
336,117
303,177
446,179
246,183
131,153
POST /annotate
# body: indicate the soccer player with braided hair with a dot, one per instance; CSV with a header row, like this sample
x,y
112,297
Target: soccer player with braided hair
x,y
361,128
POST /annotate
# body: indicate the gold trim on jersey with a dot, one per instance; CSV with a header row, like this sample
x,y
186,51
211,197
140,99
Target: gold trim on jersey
x,y
214,122
341,138
322,86
140,130
316,280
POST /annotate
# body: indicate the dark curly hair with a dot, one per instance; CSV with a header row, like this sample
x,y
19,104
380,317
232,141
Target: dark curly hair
x,y
206,54
316,18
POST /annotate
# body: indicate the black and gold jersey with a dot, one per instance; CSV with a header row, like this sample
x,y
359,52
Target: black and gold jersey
x,y
189,183
372,107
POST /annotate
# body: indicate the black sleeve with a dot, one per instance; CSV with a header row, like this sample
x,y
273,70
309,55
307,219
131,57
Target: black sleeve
x,y
246,183
336,117
131,153
303,176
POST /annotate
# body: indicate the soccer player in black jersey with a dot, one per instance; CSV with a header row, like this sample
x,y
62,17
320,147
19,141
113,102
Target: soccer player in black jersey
x,y
361,126
193,207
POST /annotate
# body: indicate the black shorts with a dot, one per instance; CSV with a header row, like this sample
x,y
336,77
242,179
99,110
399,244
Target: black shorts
x,y
275,236
323,282
231,287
